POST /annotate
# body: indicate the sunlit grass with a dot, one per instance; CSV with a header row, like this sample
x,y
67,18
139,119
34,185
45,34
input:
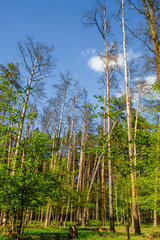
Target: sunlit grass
x,y
90,232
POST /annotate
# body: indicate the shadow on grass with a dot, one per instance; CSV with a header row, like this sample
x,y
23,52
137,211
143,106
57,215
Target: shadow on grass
x,y
62,234
46,236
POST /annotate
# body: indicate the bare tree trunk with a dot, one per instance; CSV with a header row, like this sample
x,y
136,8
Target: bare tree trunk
x,y
47,220
42,214
156,201
88,169
130,139
94,174
64,151
110,172
128,221
62,109
135,131
24,112
28,128
73,169
79,178
156,183
10,141
64,130
56,143
91,184
69,150
71,134
103,161
67,212
31,216
81,155
27,217
53,159
54,108
97,198
116,202
135,151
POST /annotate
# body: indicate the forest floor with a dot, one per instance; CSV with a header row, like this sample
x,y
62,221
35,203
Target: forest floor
x,y
91,232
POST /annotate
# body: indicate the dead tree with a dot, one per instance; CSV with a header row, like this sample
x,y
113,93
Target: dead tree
x,y
97,17
38,63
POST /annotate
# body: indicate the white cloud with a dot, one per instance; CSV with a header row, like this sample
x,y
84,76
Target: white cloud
x,y
144,87
150,80
96,64
89,51
132,55
119,62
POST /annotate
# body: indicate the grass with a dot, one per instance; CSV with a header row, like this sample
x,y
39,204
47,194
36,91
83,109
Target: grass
x,y
35,232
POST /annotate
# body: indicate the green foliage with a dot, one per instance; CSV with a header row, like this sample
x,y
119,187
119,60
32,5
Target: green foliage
x,y
26,187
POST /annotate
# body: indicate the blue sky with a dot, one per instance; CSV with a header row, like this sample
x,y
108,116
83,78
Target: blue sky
x,y
57,23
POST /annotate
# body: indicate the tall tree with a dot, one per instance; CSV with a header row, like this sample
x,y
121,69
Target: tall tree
x,y
97,17
38,64
150,10
130,135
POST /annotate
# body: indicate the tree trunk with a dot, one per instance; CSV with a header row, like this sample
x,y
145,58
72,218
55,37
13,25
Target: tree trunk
x,y
130,139
47,220
110,172
53,110
95,171
82,156
64,130
42,214
153,26
97,199
23,113
156,181
116,202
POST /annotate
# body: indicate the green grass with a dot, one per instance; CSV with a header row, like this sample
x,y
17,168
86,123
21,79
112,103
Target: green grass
x,y
35,232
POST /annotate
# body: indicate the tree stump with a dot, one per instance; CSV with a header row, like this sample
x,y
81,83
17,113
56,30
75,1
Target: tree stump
x,y
73,232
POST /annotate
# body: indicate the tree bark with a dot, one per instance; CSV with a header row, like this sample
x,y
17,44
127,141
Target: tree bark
x,y
130,138
156,181
151,19
23,113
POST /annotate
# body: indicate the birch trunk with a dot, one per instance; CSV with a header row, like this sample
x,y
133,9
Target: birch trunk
x,y
111,213
97,197
28,128
103,161
73,169
94,174
130,139
79,178
10,141
79,181
24,112
69,151
64,130
71,134
156,182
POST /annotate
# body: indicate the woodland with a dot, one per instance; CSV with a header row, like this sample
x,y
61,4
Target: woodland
x,y
75,163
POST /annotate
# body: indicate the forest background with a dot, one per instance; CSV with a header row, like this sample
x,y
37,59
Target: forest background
x,y
71,152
